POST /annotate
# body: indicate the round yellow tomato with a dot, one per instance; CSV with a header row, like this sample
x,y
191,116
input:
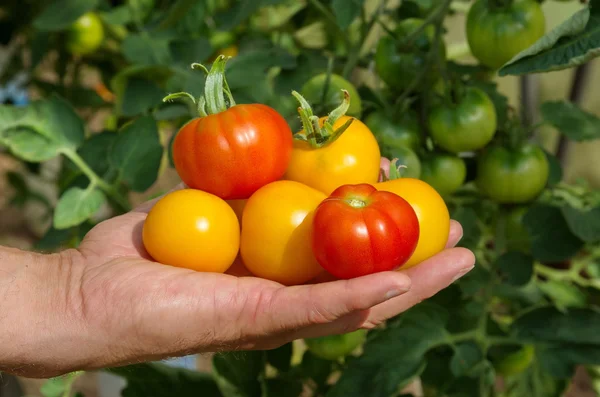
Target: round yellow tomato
x,y
192,229
432,212
352,158
276,232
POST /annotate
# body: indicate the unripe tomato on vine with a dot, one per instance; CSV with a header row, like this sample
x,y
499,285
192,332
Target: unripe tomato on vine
x,y
499,30
230,150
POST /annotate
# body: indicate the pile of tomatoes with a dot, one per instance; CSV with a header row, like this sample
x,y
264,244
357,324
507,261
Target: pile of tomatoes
x,y
289,207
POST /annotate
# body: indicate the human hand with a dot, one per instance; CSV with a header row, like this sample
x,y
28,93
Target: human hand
x,y
125,308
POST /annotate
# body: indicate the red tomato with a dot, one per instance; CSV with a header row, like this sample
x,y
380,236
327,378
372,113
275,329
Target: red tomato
x,y
359,230
233,151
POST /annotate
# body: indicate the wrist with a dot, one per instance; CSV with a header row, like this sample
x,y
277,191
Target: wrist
x,y
39,293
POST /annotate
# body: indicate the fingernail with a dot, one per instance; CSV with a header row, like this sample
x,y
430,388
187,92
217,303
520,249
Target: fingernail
x,y
462,273
394,293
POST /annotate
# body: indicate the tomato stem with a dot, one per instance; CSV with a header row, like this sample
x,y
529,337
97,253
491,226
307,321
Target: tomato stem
x,y
315,134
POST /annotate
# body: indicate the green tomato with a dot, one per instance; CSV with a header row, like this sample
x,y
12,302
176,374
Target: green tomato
x,y
497,33
512,176
393,134
400,66
85,35
465,126
517,237
407,158
515,363
335,347
446,173
312,91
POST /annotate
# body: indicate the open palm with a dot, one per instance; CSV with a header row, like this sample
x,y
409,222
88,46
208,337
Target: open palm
x,y
138,310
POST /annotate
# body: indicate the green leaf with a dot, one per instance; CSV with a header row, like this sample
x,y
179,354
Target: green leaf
x,y
307,64
516,268
560,361
281,358
556,171
466,358
472,232
535,381
238,373
140,96
59,386
120,15
563,295
572,121
578,326
157,74
347,11
171,112
187,51
60,14
238,12
247,68
39,44
55,239
143,49
551,239
283,387
76,206
394,355
179,10
41,130
584,224
136,154
160,380
316,368
572,43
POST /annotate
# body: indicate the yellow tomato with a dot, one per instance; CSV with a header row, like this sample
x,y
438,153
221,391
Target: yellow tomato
x,y
352,158
192,229
434,218
276,232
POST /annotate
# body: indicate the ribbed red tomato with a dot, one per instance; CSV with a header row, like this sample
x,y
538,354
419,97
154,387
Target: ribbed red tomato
x,y
232,150
359,230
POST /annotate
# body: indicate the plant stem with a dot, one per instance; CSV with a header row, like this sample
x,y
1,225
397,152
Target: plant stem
x,y
110,190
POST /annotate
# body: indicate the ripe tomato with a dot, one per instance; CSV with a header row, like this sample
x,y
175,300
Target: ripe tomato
x,y
497,33
467,125
85,35
446,173
313,93
232,152
399,65
512,176
334,347
276,232
359,230
192,229
334,159
390,134
431,210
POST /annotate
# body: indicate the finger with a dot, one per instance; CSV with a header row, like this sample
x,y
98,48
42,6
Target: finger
x,y
147,206
384,165
428,278
456,234
326,303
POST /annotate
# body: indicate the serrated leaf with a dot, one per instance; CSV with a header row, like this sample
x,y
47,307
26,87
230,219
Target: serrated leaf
x,y
188,51
572,121
551,239
136,154
394,355
347,11
584,224
143,49
465,359
572,43
160,380
560,361
238,373
140,96
41,130
62,13
563,295
515,267
76,206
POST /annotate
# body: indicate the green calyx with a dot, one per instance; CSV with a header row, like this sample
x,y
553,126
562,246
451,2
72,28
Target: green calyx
x,y
394,172
217,95
316,135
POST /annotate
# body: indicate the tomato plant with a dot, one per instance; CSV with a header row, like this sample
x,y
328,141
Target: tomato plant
x,y
431,211
337,150
446,173
192,229
359,230
324,93
497,31
231,152
334,347
466,125
512,175
391,134
276,232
